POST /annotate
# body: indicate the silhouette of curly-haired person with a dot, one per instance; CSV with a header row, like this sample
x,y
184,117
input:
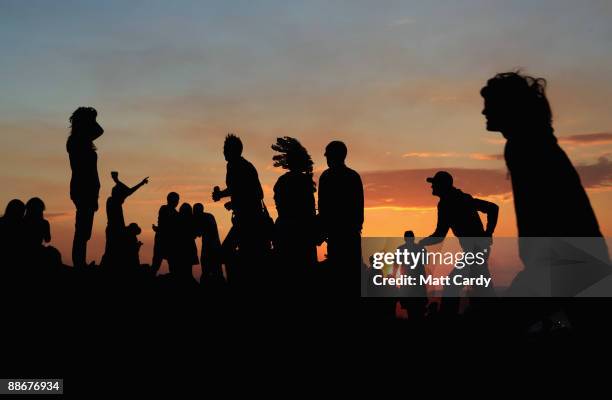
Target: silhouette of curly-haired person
x,y
341,205
85,183
413,298
11,238
458,211
549,198
114,253
184,253
166,221
210,258
247,241
294,237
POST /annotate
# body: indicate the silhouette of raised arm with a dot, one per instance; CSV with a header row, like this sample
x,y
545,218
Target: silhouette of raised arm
x,y
138,186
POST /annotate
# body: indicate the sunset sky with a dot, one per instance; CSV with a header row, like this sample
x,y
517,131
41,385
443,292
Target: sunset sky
x,y
398,81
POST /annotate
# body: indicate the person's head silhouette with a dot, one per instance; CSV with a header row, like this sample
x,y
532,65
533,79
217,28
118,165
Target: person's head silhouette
x,y
293,157
232,147
441,183
516,104
133,229
84,125
335,153
173,199
409,237
35,208
14,211
185,211
198,209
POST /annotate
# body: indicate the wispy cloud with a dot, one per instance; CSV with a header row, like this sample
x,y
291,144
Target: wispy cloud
x,y
437,154
402,21
587,139
407,188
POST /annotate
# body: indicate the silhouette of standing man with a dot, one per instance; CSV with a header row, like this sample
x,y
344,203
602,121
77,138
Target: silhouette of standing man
x,y
458,211
85,183
245,237
341,213
165,228
210,258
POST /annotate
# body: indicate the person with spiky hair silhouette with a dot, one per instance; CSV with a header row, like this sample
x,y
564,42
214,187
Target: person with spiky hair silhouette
x,y
248,241
85,183
294,238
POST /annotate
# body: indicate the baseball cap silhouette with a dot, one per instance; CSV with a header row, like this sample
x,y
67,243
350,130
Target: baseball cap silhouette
x,y
441,177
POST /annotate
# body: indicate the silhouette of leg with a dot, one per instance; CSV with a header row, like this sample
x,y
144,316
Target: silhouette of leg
x,y
82,233
158,255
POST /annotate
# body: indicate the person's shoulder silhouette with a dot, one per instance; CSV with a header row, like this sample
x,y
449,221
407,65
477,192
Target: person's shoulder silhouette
x,y
341,198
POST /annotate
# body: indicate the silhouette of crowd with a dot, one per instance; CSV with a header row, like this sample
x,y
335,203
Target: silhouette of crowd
x,y
258,252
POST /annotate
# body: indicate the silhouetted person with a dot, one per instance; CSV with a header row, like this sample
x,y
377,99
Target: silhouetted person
x,y
41,262
184,253
210,259
11,238
37,228
85,183
166,220
341,213
36,231
414,298
248,241
114,254
549,198
458,212
294,238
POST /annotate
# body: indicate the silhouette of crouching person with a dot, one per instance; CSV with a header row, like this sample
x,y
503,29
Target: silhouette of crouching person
x,y
116,230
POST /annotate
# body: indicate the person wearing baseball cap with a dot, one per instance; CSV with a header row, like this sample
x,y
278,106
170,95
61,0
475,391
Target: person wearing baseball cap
x,y
458,211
